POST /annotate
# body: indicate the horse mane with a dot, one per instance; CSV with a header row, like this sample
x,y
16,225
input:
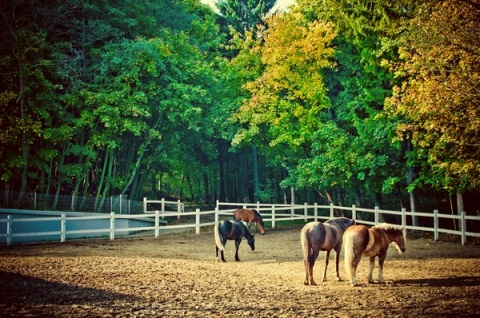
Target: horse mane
x,y
387,226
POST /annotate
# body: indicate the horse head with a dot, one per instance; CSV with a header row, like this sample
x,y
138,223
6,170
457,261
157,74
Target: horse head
x,y
261,227
399,241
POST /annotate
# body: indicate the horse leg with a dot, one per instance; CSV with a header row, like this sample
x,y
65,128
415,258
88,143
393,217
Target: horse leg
x,y
327,257
224,241
352,266
309,263
337,261
381,259
237,245
370,269
223,257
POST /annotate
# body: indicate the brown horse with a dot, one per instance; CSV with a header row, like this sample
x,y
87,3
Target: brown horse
x,y
316,237
250,215
361,241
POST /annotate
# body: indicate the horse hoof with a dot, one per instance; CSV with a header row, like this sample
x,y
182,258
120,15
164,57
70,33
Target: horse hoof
x,y
312,282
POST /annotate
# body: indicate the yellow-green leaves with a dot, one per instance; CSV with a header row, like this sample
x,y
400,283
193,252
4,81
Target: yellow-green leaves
x,y
289,95
440,99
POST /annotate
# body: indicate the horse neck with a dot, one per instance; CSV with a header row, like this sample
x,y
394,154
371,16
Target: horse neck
x,y
391,235
247,234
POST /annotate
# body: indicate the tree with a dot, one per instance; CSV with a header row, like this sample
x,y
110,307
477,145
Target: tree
x,y
289,99
439,97
244,15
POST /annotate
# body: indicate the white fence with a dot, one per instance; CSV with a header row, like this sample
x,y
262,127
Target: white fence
x,y
196,220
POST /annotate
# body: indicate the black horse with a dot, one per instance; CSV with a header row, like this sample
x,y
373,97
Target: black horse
x,y
236,230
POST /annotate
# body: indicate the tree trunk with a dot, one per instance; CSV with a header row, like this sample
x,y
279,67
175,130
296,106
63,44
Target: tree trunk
x,y
378,203
411,194
102,177
207,187
106,188
256,186
21,99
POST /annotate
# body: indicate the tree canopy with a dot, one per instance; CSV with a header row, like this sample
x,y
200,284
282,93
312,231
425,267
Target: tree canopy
x,y
365,101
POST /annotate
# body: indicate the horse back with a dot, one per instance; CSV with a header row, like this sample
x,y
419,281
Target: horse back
x,y
333,236
226,229
242,215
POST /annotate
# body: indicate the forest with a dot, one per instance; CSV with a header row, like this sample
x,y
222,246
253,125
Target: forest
x,y
372,103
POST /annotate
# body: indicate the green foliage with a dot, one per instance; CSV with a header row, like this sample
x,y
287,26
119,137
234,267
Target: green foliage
x,y
244,15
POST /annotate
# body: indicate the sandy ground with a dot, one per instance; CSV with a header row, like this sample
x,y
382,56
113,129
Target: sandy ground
x,y
177,275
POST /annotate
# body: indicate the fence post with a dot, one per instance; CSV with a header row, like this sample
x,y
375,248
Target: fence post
x,y
435,225
404,222
273,217
63,227
112,226
216,215
197,221
258,206
163,206
376,215
144,205
217,204
354,212
463,224
315,212
305,211
157,223
179,209
9,229
331,211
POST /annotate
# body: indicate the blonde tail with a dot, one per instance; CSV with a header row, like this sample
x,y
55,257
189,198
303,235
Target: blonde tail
x,y
349,254
218,241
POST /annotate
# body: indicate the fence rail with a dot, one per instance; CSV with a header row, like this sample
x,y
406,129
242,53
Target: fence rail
x,y
273,213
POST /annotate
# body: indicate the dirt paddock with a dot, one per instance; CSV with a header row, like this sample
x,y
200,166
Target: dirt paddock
x,y
177,275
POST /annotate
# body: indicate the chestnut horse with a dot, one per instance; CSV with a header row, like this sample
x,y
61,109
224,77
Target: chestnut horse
x,y
250,215
361,241
316,237
226,230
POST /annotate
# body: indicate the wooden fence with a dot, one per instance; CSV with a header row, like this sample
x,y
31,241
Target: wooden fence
x,y
153,221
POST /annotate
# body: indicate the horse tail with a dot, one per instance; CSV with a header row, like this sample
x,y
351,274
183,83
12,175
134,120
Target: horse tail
x,y
218,241
306,245
349,252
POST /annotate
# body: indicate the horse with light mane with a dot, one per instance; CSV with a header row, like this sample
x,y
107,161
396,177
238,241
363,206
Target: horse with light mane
x,y
371,242
316,237
250,215
236,230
